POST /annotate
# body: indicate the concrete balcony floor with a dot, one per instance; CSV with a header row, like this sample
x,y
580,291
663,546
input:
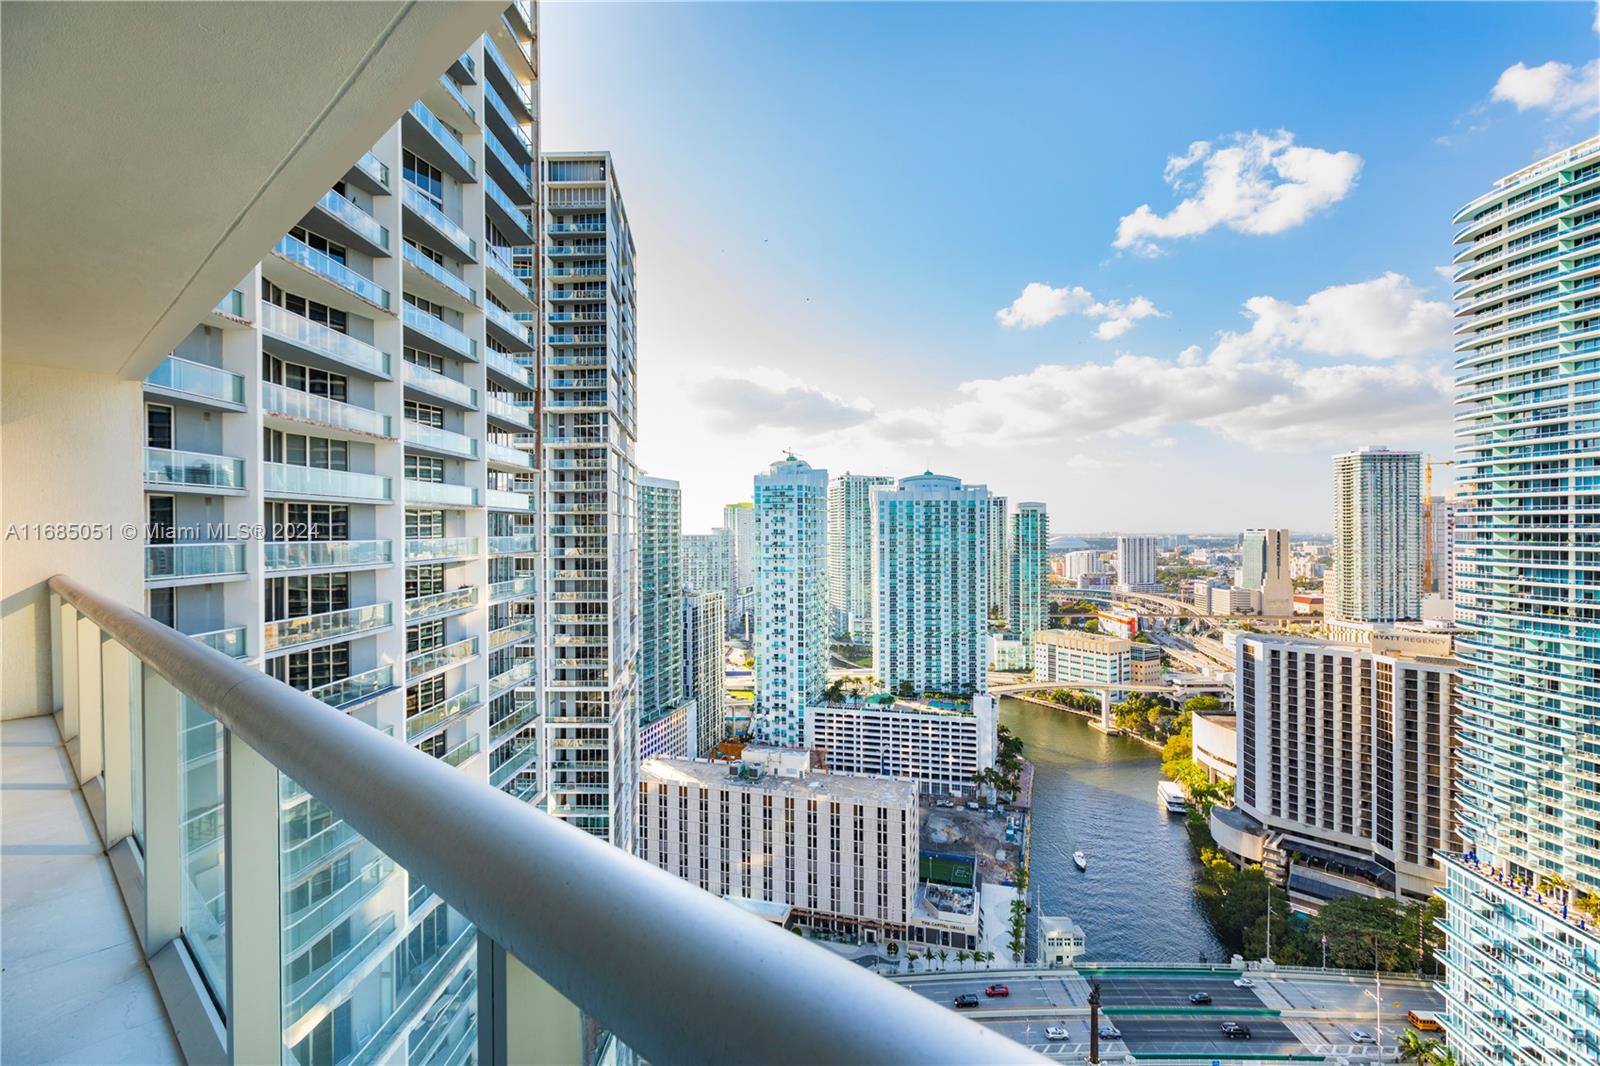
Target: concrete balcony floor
x,y
75,985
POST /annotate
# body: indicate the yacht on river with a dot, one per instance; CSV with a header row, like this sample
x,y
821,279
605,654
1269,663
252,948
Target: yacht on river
x,y
1080,860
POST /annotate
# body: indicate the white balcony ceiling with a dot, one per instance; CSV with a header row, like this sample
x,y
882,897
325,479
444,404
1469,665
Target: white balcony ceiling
x,y
154,151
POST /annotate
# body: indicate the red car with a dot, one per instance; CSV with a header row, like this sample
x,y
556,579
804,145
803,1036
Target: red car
x,y
997,990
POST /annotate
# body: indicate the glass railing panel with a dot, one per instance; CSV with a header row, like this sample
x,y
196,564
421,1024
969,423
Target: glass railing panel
x,y
521,171
439,492
317,554
441,602
498,61
432,549
512,766
515,632
463,751
346,211
305,407
425,720
437,384
415,200
329,268
203,857
305,926
509,456
509,411
356,687
302,995
507,272
508,366
510,590
197,379
444,440
447,140
518,134
288,632
507,322
521,544
315,336
230,641
193,560
437,658
455,94
510,206
374,168
439,274
166,466
521,674
316,481
521,715
440,331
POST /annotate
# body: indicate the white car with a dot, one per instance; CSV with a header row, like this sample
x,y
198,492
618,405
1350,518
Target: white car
x,y
1056,1032
1361,1036
1109,1031
1243,982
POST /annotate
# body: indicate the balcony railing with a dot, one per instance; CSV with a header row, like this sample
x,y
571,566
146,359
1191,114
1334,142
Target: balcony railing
x,y
440,549
322,411
431,717
374,168
359,221
439,274
286,479
512,589
800,1004
414,201
331,270
440,603
193,560
442,493
509,206
505,321
445,388
425,662
446,138
441,331
506,500
189,378
506,455
355,688
314,336
288,632
522,544
508,367
325,554
521,674
433,438
229,641
166,466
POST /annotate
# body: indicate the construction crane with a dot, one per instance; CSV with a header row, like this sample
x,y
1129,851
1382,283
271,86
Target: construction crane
x,y
1428,463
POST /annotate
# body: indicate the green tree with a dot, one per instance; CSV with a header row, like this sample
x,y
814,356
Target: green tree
x,y
961,958
1201,703
1364,932
944,958
892,949
1413,1047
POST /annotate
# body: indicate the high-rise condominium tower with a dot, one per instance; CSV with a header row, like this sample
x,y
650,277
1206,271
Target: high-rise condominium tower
x,y
708,561
999,556
1440,524
1377,536
589,409
1265,567
1136,564
930,585
739,519
850,555
791,612
1523,958
364,395
1029,557
663,712
704,634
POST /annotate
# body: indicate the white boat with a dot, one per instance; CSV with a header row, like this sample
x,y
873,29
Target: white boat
x,y
1171,794
1080,860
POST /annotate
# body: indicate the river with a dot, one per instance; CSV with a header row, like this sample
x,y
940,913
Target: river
x,y
1136,902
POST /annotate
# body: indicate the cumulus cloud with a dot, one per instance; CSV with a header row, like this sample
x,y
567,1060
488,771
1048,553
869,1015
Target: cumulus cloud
x,y
769,399
1039,303
1384,318
1256,183
1554,87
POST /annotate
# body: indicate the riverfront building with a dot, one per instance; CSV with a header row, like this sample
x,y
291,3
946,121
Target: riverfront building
x,y
1377,536
1065,656
1136,564
589,408
1029,558
791,614
850,555
938,744
664,717
1523,957
1344,763
930,586
999,558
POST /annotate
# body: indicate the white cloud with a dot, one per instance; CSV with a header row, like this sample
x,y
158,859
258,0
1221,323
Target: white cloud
x,y
763,398
1554,87
1257,183
1384,318
1039,303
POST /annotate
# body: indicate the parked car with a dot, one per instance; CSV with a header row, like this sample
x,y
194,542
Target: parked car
x,y
1361,1036
997,990
1235,1031
1109,1032
1056,1032
1243,982
1199,997
966,999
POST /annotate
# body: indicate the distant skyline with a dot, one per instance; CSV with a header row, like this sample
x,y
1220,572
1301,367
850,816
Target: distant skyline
x,y
1147,263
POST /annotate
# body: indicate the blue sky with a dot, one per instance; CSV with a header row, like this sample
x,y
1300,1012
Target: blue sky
x,y
837,205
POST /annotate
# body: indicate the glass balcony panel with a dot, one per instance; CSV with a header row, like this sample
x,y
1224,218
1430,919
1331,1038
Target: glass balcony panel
x,y
521,760
427,719
507,272
305,407
521,674
510,590
356,687
288,632
439,274
447,140
455,94
461,599
417,202
519,170
315,481
441,331
519,136
231,304
509,206
508,456
303,927
505,321
431,549
509,367
346,211
441,493
330,269
509,411
503,500
228,641
193,560
203,858
374,168
314,336
501,67
425,662
522,544
165,466
443,440
302,995
197,379
523,713
323,554
446,388
463,751
514,632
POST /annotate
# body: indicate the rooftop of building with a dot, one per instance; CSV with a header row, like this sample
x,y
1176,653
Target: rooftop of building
x,y
810,784
884,703
979,835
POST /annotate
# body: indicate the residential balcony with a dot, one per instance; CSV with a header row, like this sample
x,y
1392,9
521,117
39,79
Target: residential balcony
x,y
429,280
581,270
229,641
509,370
424,211
515,764
506,329
423,133
502,78
434,660
355,689
523,713
328,269
503,280
294,410
440,387
524,544
437,441
370,173
287,555
441,549
440,493
285,480
521,674
456,99
427,720
231,306
521,629
507,500
329,625
464,752
509,413
194,383
440,604
559,229
174,470
506,126
339,217
328,348
506,210
171,564
516,588
505,457
434,335
504,166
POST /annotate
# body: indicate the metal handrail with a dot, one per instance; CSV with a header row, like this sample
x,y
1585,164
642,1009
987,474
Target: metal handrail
x,y
549,892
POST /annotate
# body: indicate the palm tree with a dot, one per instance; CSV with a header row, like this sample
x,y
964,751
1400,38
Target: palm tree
x,y
1442,1056
944,958
1413,1048
961,959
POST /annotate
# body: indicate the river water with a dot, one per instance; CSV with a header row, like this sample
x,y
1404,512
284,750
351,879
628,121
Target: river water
x,y
1136,902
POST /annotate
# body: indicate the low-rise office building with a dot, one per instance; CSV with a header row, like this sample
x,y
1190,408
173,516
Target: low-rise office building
x,y
937,744
1072,655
